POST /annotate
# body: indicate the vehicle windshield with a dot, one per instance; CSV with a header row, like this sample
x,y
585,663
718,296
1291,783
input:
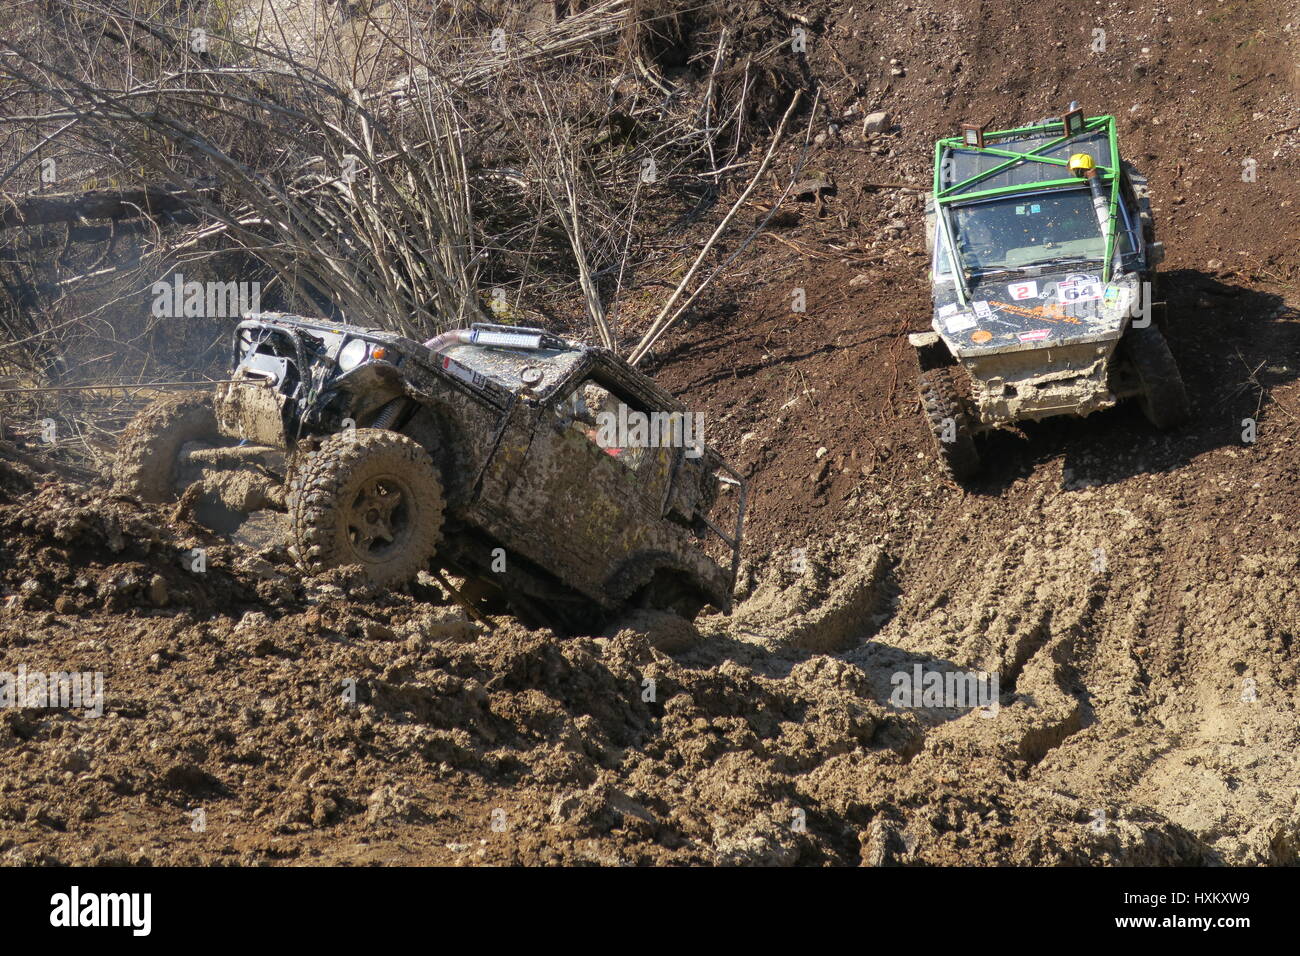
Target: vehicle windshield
x,y
1012,232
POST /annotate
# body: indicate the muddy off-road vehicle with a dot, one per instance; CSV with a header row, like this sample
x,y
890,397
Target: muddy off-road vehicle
x,y
1043,259
477,451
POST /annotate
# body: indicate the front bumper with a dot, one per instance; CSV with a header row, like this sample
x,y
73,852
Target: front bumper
x,y
1033,384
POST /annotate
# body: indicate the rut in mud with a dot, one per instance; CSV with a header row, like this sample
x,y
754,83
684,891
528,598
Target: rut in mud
x,y
1139,718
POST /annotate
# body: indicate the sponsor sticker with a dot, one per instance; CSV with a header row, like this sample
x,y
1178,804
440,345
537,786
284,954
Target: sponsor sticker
x,y
1034,335
1023,290
1079,288
947,310
960,323
461,372
982,309
982,336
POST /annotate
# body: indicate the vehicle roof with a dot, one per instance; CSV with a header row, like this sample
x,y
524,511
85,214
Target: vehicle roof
x,y
292,320
503,367
965,172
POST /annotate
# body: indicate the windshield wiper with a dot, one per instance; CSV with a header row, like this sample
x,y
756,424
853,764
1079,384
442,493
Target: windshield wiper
x,y
1063,260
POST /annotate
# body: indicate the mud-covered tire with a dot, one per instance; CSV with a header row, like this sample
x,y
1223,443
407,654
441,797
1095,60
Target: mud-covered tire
x,y
341,512
945,413
1163,398
667,592
148,452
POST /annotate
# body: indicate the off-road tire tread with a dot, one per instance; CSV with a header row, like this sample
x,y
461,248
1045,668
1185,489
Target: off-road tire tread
x,y
147,452
671,595
940,401
1164,397
318,481
1142,193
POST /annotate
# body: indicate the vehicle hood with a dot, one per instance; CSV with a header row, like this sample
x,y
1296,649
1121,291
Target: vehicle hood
x,y
540,370
1015,313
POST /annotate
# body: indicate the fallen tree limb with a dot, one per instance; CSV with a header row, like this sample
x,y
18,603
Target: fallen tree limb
x,y
38,210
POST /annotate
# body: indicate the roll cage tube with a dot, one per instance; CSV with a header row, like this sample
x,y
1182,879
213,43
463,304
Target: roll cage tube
x,y
945,198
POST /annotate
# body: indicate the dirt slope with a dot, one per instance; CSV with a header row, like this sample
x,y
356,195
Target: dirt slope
x,y
1135,594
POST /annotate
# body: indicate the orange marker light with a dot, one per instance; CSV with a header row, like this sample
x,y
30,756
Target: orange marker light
x,y
379,352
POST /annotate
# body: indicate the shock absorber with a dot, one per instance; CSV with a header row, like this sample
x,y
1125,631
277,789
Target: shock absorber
x,y
388,414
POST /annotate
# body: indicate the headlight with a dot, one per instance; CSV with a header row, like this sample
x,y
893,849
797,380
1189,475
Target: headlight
x,y
353,354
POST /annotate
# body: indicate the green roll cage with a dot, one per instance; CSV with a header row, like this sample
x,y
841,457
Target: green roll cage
x,y
958,191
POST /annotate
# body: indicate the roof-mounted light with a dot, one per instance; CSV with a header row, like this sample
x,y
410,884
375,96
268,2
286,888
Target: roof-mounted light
x,y
972,135
505,340
512,337
1073,121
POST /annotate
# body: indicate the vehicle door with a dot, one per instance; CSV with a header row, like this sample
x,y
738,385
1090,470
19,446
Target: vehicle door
x,y
592,487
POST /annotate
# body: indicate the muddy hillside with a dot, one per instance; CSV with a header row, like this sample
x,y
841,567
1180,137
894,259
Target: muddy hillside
x,y
1131,596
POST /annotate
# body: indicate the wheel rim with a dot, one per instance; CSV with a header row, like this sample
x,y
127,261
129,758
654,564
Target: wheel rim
x,y
379,519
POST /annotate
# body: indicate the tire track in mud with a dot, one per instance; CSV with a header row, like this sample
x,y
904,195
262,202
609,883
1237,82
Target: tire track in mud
x,y
975,577
1123,617
995,586
1051,584
1034,586
1162,621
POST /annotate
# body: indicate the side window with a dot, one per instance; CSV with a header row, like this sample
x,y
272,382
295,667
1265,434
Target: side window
x,y
602,418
